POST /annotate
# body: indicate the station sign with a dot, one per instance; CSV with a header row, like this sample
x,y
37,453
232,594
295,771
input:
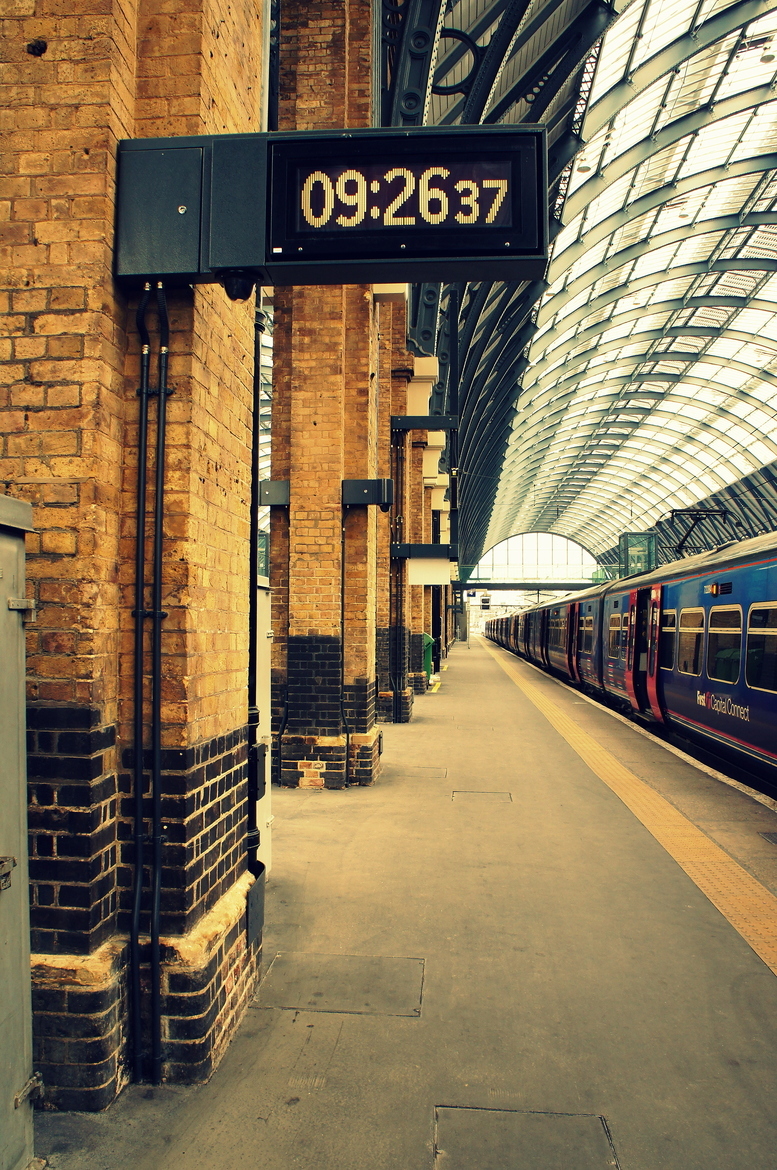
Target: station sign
x,y
427,204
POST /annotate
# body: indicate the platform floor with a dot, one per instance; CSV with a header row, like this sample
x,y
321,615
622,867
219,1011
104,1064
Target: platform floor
x,y
487,961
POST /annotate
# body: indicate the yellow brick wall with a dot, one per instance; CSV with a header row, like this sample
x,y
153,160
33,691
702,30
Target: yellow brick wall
x,y
67,403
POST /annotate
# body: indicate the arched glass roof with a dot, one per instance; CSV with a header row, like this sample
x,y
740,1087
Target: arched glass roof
x,y
642,376
652,375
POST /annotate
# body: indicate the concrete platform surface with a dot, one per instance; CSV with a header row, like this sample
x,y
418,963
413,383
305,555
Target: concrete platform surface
x,y
582,1003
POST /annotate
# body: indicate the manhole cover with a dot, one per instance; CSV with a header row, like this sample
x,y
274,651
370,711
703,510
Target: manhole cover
x,y
501,1139
351,984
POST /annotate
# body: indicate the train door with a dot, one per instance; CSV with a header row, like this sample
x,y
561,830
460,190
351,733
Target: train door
x,y
637,649
544,635
653,631
572,640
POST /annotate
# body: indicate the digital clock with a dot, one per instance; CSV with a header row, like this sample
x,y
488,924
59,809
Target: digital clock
x,y
408,195
416,195
334,207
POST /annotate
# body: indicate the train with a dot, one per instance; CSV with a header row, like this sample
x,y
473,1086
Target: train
x,y
690,647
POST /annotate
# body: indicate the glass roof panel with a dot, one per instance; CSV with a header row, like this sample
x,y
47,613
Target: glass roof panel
x,y
625,411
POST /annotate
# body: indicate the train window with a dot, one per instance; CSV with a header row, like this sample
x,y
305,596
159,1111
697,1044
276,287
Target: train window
x,y
690,641
624,635
557,633
724,644
761,658
667,639
588,635
615,635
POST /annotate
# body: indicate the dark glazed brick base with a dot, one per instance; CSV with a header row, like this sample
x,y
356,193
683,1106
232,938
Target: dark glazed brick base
x,y
72,827
204,790
80,1009
393,658
314,674
416,665
204,1004
386,707
79,1041
359,701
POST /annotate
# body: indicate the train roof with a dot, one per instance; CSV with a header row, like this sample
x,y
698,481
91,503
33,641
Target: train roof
x,y
724,556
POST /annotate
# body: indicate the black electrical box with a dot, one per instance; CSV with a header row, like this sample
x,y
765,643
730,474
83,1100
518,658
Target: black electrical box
x,y
369,491
191,208
274,492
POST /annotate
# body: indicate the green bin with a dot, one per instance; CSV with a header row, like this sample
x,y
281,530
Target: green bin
x,y
428,647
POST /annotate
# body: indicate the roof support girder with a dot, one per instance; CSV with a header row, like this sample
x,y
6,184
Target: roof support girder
x,y
652,200
675,54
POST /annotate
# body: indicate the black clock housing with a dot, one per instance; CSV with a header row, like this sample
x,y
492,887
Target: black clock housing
x,y
334,207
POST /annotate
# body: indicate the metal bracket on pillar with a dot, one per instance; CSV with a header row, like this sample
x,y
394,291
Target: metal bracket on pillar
x,y
402,552
424,422
368,491
274,492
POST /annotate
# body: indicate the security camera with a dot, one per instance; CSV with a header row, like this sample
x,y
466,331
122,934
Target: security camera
x,y
238,284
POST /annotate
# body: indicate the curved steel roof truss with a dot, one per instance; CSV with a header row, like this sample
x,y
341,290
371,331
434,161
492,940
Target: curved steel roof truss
x,y
642,375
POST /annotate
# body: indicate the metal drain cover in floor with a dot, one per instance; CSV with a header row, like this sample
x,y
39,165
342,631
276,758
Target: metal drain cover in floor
x,y
476,794
351,984
501,1139
770,837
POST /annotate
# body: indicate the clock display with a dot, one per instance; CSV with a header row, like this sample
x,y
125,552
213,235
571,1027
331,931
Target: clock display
x,y
411,195
425,200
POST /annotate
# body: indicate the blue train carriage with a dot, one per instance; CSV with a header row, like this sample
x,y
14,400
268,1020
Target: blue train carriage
x,y
692,645
715,664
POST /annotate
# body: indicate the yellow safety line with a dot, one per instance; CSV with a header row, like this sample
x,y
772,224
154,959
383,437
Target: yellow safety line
x,y
436,687
749,906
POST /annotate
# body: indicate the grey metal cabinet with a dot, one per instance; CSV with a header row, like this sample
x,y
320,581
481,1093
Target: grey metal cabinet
x,y
16,1139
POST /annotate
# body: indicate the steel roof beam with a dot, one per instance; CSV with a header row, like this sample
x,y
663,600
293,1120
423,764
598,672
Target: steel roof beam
x,y
657,198
674,55
565,53
671,305
415,56
686,126
650,280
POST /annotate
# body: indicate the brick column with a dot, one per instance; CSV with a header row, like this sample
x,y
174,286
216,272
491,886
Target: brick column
x,y
76,82
395,699
325,429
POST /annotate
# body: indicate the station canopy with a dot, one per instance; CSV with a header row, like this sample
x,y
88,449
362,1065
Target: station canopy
x,y
642,376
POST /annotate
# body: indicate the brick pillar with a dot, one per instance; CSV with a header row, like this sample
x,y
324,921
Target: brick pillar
x,y
325,429
68,425
418,535
386,571
393,640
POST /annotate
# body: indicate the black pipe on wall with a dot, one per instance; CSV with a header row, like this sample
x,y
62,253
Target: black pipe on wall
x,y
157,616
396,576
343,714
139,615
255,758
